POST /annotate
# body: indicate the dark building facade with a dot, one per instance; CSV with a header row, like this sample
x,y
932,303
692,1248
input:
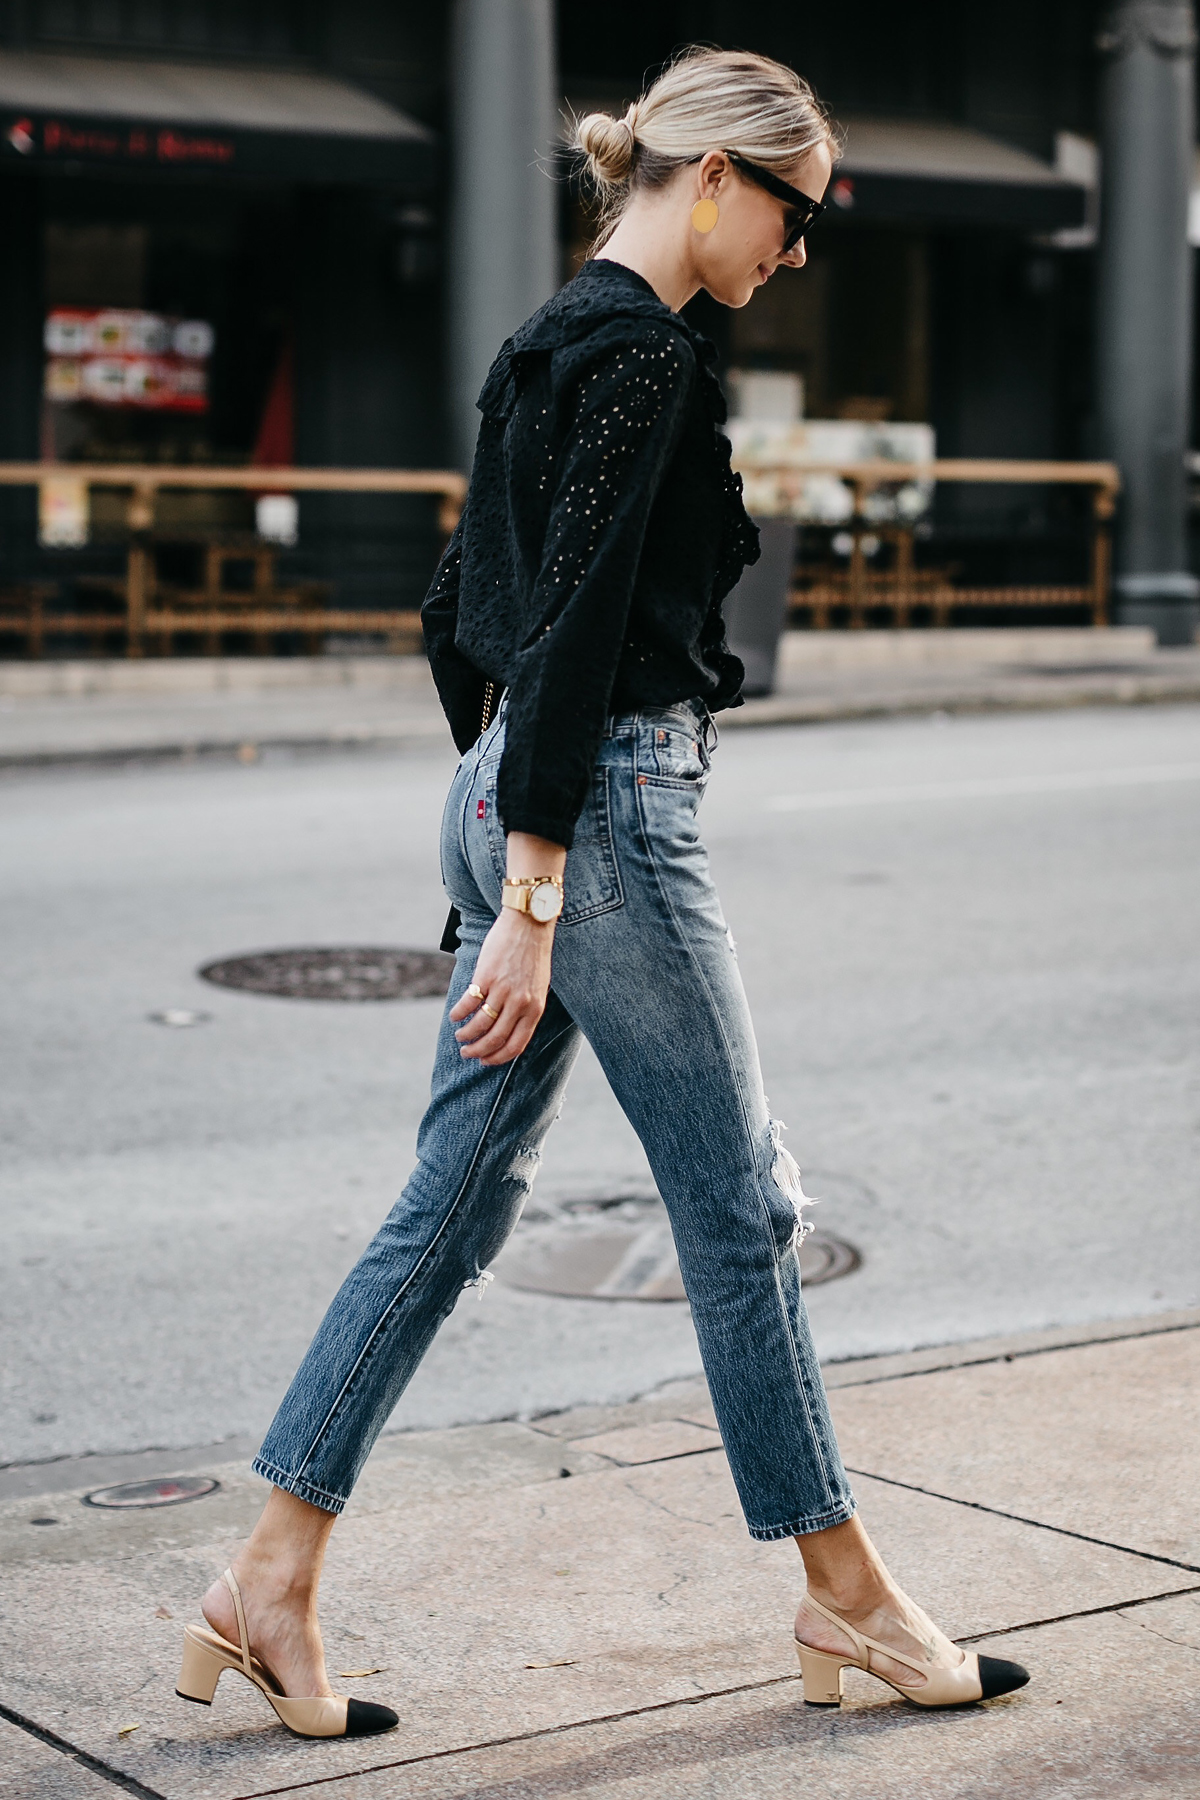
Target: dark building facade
x,y
313,203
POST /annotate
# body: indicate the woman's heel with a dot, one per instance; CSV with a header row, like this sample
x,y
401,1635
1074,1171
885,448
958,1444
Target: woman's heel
x,y
205,1655
199,1672
822,1674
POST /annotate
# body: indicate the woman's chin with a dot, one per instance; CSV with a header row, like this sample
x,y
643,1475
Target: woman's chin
x,y
735,293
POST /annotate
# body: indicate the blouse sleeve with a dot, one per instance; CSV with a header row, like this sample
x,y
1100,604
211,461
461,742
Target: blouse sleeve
x,y
459,683
628,416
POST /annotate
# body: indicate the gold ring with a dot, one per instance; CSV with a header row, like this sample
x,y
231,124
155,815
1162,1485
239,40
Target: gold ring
x,y
476,992
484,1007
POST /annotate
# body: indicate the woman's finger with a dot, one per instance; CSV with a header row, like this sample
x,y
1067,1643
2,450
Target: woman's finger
x,y
484,1017
485,1044
469,1002
517,1044
507,1037
497,1013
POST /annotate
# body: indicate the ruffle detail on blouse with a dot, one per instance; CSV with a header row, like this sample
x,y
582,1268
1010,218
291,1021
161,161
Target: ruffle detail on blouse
x,y
739,546
600,293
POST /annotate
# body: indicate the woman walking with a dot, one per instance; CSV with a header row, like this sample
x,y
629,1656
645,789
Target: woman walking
x,y
601,532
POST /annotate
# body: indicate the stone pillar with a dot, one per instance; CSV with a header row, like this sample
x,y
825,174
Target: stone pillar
x,y
1144,325
504,258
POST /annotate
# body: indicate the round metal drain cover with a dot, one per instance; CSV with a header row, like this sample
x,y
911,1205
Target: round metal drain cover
x,y
352,974
623,1250
824,1258
164,1490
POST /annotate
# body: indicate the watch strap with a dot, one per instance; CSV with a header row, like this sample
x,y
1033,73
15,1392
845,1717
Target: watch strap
x,y
517,890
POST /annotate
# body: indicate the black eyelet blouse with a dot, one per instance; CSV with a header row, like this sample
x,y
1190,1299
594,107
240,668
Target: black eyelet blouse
x,y
603,527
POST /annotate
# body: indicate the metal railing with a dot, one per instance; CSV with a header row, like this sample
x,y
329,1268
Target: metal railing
x,y
148,614
904,586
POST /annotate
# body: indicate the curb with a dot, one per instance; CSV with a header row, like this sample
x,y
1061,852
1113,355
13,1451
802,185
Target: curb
x,y
781,710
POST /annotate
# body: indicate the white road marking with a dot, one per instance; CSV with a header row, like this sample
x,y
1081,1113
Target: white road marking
x,y
985,787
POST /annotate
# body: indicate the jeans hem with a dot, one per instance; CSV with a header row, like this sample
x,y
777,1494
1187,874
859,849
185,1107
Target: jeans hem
x,y
770,1534
296,1484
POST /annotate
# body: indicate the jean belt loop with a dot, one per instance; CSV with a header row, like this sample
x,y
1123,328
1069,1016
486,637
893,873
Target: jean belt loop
x,y
708,727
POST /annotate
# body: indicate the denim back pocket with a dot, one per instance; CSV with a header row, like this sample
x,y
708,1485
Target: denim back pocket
x,y
591,880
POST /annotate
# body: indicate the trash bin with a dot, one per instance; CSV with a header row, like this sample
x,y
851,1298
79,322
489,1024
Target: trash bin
x,y
756,609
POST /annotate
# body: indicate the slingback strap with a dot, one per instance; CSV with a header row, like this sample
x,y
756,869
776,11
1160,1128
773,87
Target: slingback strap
x,y
230,1581
864,1645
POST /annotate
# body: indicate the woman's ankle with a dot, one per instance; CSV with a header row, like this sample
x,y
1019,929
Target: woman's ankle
x,y
852,1597
845,1572
274,1580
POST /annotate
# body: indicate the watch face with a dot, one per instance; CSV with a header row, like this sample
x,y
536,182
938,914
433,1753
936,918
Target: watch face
x,y
545,902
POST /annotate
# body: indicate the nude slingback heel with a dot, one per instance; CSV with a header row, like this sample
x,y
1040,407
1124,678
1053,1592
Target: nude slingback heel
x,y
206,1656
974,1678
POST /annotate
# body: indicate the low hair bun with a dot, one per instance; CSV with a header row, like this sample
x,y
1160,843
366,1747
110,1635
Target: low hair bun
x,y
704,100
609,146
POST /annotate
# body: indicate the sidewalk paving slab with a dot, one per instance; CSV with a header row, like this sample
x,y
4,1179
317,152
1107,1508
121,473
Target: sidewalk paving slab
x,y
499,1599
1083,1732
495,1615
31,1769
1114,1452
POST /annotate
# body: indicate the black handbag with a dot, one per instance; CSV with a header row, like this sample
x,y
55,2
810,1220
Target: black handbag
x,y
449,941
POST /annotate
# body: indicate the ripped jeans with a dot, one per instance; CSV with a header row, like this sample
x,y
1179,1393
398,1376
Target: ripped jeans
x,y
644,968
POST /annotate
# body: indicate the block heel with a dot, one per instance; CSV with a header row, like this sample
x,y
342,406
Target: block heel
x,y
822,1676
200,1671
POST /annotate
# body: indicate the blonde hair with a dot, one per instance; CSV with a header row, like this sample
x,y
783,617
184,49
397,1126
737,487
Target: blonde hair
x,y
704,100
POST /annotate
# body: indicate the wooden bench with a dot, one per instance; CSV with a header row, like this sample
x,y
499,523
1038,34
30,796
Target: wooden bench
x,y
928,590
163,610
858,589
297,612
146,610
26,615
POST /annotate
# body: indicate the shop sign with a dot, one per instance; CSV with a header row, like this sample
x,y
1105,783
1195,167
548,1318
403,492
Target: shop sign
x,y
115,356
115,141
76,141
63,512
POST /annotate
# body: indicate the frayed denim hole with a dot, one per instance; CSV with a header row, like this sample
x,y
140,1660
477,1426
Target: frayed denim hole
x,y
785,1173
520,1174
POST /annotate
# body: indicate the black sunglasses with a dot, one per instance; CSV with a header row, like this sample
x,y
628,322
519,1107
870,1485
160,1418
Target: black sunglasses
x,y
803,210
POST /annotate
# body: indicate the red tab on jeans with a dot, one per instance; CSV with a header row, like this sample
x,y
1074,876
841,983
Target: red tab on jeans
x,y
481,810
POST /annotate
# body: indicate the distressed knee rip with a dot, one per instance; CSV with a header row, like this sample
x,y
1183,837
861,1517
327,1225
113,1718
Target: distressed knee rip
x,y
785,1173
521,1171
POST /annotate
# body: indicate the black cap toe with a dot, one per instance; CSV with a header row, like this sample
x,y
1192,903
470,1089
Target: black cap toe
x,y
364,1718
997,1676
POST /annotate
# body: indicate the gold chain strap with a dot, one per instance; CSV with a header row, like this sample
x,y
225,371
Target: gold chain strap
x,y
489,705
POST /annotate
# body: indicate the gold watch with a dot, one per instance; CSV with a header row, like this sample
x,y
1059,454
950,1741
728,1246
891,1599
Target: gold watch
x,y
541,896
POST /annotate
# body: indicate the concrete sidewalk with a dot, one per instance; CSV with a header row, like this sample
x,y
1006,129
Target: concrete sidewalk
x,y
572,1606
98,710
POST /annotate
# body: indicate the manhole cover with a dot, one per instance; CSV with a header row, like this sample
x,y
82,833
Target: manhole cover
x,y
164,1490
622,1249
354,974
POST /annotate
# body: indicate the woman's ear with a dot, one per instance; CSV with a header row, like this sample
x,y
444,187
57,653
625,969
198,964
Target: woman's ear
x,y
712,171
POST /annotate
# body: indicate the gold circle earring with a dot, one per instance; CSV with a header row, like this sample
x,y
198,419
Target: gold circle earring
x,y
705,214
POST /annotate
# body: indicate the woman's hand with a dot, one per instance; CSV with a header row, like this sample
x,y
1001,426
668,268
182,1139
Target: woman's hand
x,y
514,972
513,969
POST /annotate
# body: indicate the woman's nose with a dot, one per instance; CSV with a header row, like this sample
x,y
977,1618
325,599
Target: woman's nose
x,y
797,257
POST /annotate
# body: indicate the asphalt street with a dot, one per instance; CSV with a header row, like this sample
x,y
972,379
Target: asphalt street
x,y
972,951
